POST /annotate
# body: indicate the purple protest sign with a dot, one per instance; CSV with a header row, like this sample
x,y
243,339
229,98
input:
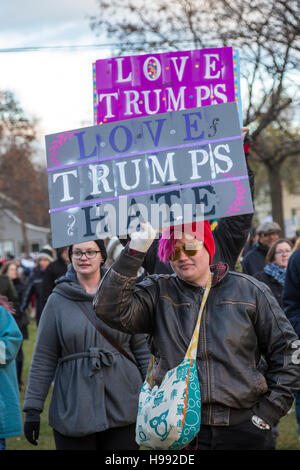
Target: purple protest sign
x,y
141,85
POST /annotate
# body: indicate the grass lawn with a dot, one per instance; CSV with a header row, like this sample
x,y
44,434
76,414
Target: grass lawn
x,y
288,439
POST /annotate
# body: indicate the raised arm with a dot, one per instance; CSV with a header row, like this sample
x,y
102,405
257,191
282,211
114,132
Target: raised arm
x,y
121,303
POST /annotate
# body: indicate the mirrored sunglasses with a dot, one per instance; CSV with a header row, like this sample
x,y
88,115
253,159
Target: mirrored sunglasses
x,y
189,249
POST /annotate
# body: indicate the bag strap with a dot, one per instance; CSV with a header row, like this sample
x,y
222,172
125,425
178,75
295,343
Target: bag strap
x,y
94,321
192,349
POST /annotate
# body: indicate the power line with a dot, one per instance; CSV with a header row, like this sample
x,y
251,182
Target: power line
x,y
42,48
83,46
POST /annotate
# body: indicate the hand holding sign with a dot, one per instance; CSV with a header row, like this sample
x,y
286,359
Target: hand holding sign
x,y
142,240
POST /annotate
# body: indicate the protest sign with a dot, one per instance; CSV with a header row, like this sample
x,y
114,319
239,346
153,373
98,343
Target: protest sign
x,y
141,85
162,168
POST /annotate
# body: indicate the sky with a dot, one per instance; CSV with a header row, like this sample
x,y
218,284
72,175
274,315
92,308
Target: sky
x,y
53,86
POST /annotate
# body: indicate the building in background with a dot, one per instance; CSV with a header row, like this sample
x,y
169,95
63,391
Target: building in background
x,y
11,236
291,209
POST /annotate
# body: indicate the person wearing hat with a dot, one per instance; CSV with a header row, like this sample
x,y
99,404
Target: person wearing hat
x,y
95,396
255,260
241,321
34,283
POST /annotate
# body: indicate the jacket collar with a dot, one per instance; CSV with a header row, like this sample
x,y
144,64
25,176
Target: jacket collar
x,y
219,272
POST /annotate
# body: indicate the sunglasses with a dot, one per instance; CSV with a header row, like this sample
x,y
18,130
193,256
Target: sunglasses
x,y
189,249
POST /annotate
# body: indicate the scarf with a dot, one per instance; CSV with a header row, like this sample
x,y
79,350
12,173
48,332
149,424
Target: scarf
x,y
276,272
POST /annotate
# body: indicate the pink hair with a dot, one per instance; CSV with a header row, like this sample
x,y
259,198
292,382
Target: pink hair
x,y
170,236
166,245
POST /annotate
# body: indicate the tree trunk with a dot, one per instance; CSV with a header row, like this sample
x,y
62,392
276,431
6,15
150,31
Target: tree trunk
x,y
276,194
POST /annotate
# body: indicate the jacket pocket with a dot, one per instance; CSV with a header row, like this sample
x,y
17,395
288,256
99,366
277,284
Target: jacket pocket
x,y
237,302
169,299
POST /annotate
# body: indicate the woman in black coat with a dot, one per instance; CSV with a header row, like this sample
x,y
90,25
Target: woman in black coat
x,y
273,275
274,272
34,284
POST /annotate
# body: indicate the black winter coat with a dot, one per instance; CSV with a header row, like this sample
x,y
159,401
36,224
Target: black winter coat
x,y
255,260
21,316
291,291
54,270
274,285
34,287
7,288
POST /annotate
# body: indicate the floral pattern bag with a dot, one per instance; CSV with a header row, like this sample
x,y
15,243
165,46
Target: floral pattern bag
x,y
169,415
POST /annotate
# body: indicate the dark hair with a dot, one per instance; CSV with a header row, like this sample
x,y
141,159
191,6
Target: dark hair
x,y
5,266
101,246
60,250
271,252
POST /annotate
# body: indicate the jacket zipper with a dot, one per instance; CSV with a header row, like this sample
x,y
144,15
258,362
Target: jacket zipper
x,y
207,365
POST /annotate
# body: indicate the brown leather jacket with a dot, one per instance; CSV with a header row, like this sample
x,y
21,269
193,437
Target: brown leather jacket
x,y
241,321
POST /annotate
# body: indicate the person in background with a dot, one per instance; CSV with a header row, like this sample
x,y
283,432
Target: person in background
x,y
54,270
11,270
34,284
95,396
241,321
297,244
273,274
10,341
255,260
252,239
291,306
7,288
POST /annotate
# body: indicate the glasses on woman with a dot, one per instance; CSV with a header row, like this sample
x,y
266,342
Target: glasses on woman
x,y
283,252
189,249
90,254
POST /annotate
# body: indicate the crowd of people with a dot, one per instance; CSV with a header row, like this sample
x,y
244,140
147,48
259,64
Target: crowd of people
x,y
105,310
95,339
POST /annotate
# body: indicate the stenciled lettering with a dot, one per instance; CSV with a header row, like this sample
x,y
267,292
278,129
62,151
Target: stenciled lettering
x,y
205,196
121,166
121,78
113,139
179,72
66,187
159,125
99,174
108,103
168,169
192,125
132,97
211,65
175,104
